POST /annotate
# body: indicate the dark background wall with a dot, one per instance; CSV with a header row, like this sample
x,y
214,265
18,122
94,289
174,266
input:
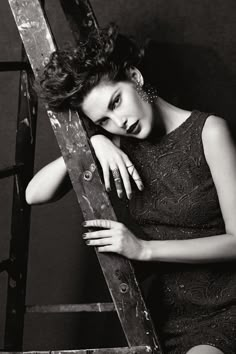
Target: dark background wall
x,y
194,62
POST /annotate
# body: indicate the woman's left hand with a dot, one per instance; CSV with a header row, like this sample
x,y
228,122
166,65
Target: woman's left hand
x,y
115,237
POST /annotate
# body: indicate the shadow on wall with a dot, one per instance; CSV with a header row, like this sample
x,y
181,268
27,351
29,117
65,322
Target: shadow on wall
x,y
192,77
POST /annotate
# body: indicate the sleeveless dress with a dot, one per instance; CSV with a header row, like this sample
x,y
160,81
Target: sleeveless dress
x,y
190,304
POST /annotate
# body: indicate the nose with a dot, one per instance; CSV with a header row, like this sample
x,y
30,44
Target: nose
x,y
120,121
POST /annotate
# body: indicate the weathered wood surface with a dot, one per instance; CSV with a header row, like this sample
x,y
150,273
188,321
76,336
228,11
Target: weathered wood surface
x,y
122,350
80,17
90,192
20,225
92,307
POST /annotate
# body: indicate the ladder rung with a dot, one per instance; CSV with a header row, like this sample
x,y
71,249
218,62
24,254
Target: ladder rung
x,y
122,350
10,171
93,307
13,65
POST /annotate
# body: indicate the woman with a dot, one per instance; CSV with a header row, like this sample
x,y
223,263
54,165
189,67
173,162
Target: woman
x,y
186,211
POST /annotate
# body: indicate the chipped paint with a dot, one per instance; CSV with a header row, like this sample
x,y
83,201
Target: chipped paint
x,y
88,202
26,25
136,310
146,314
69,115
103,206
53,119
17,185
25,121
92,167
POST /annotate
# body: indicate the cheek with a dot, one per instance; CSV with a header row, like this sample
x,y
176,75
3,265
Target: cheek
x,y
133,104
112,128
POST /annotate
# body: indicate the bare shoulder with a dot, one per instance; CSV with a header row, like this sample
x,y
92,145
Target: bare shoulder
x,y
217,140
215,131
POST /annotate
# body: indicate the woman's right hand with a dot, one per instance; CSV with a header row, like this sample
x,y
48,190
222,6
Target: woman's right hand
x,y
112,158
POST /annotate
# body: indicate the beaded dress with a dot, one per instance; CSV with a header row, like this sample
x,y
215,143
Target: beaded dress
x,y
191,304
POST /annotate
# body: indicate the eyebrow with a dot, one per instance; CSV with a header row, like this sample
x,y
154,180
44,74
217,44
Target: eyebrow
x,y
109,105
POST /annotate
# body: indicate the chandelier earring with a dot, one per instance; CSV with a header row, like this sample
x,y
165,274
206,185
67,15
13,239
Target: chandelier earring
x,y
147,92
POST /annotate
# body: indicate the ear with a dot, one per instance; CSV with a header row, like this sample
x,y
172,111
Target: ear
x,y
135,75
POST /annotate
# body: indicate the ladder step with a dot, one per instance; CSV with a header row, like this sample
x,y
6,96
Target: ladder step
x,y
13,66
122,350
92,307
11,170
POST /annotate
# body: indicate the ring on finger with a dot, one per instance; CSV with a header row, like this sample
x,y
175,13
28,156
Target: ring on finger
x,y
115,173
131,172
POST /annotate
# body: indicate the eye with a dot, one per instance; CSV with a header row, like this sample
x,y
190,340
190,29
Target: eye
x,y
116,101
103,121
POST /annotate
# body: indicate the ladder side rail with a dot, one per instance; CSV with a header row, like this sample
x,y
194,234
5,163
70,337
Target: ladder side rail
x,y
20,226
91,195
80,17
121,350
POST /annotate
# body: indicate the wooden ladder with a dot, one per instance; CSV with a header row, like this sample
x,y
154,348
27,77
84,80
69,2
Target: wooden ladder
x,y
94,202
22,172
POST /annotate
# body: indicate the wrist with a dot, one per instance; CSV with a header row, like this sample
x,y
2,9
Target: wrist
x,y
98,137
145,253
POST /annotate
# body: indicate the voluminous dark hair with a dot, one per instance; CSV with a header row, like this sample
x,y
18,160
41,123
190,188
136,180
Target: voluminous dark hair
x,y
72,73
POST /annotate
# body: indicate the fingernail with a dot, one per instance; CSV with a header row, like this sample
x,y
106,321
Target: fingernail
x,y
87,242
108,189
84,223
120,195
142,187
129,196
84,235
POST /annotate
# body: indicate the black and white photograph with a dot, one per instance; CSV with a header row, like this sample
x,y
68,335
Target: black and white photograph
x,y
118,177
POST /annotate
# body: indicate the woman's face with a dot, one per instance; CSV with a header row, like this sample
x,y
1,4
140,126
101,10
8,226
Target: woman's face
x,y
118,108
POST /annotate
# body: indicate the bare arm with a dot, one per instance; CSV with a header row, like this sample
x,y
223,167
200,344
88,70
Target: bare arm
x,y
52,181
49,184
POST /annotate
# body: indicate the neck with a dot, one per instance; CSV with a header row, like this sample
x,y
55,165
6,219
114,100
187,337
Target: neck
x,y
159,128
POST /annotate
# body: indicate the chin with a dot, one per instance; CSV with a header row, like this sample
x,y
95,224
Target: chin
x,y
144,133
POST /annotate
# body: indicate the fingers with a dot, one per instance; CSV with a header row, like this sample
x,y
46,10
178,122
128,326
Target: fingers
x,y
126,181
118,182
134,174
97,234
99,242
121,171
109,248
103,223
108,240
106,176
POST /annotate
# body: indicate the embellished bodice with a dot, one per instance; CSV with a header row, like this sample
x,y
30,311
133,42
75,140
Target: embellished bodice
x,y
179,196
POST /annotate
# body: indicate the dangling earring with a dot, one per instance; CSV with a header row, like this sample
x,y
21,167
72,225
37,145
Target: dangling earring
x,y
148,93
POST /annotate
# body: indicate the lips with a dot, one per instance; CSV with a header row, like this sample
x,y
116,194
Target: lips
x,y
133,129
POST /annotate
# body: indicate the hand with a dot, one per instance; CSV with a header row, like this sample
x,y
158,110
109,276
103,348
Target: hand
x,y
115,238
113,159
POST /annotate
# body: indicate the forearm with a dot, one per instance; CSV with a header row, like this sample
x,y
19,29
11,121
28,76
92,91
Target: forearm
x,y
217,248
46,185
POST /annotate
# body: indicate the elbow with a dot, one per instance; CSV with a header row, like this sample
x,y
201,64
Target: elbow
x,y
31,195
